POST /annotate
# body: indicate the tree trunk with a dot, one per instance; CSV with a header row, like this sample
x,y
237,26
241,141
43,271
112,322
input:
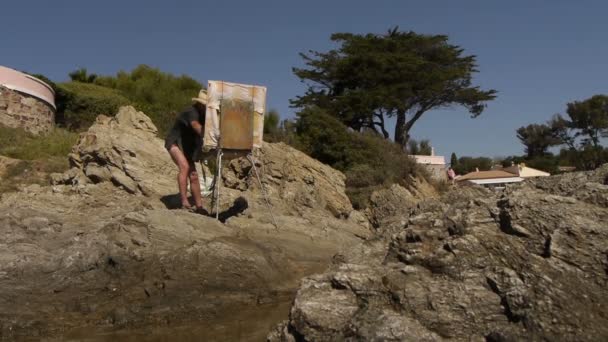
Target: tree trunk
x,y
401,135
595,137
380,124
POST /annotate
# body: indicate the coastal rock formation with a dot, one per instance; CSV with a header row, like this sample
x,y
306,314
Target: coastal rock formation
x,y
125,151
103,248
529,263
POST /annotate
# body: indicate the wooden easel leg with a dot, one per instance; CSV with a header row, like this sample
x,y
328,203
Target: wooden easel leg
x,y
255,169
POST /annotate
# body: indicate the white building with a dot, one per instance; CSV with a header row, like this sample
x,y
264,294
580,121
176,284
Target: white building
x,y
434,164
498,178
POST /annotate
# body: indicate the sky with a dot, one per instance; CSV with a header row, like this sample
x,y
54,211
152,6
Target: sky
x,y
538,55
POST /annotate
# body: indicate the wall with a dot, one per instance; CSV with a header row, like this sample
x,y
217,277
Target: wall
x,y
26,102
25,111
438,172
435,165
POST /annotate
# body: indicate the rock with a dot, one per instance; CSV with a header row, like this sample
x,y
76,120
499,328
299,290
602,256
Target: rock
x,y
32,189
300,182
121,179
324,306
528,263
359,218
36,223
125,150
6,162
391,206
390,203
107,247
97,173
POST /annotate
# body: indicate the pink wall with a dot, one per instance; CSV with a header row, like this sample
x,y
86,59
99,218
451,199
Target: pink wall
x,y
27,84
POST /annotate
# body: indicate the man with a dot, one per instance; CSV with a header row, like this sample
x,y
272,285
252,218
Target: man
x,y
451,175
184,143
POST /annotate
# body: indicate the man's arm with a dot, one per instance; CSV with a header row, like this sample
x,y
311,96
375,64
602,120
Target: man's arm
x,y
197,127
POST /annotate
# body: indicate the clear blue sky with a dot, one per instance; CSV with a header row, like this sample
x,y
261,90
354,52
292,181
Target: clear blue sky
x,y
539,55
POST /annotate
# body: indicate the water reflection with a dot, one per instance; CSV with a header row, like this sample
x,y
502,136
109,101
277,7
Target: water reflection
x,y
244,324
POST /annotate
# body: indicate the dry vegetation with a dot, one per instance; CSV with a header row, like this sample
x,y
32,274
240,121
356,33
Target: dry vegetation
x,y
33,158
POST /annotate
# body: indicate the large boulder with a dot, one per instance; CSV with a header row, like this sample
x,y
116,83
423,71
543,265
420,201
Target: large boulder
x,y
123,150
529,263
392,205
297,182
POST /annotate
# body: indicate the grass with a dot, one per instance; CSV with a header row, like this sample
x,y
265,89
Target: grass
x,y
19,144
38,156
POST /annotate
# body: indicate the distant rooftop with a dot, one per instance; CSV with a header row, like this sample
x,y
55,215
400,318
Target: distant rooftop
x,y
486,175
512,174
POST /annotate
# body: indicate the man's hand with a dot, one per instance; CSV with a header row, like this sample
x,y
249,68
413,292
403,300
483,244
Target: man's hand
x,y
197,127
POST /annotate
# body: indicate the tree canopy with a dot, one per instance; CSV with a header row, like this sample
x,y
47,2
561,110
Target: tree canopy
x,y
537,139
580,131
82,75
398,74
470,164
422,147
590,117
453,160
368,161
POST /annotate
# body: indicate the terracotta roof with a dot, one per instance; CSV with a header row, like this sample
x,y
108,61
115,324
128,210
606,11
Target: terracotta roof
x,y
523,171
486,175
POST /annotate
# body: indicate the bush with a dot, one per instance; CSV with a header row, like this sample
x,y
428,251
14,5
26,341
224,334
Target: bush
x,y
587,158
369,161
547,163
39,156
158,94
81,103
19,144
470,164
272,129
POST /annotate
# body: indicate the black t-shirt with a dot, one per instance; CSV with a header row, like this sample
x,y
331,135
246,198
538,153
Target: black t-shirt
x,y
184,135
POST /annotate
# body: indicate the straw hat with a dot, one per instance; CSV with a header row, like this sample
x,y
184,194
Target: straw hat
x,y
202,97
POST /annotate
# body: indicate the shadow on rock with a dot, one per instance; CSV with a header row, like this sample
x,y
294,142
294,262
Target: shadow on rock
x,y
171,201
240,205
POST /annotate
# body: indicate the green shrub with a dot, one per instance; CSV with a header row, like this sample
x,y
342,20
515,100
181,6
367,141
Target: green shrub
x,y
39,156
26,172
548,163
83,102
158,94
272,128
19,144
369,161
470,164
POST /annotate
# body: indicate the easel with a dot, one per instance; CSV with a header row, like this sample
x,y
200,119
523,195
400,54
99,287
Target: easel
x,y
217,180
234,130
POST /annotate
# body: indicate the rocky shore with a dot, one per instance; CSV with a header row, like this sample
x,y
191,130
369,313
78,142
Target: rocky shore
x,y
103,254
528,263
104,249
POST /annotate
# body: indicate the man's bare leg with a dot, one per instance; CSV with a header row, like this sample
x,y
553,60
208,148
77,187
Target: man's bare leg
x,y
182,176
195,186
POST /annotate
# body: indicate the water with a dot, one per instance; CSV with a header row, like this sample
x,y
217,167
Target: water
x,y
242,324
